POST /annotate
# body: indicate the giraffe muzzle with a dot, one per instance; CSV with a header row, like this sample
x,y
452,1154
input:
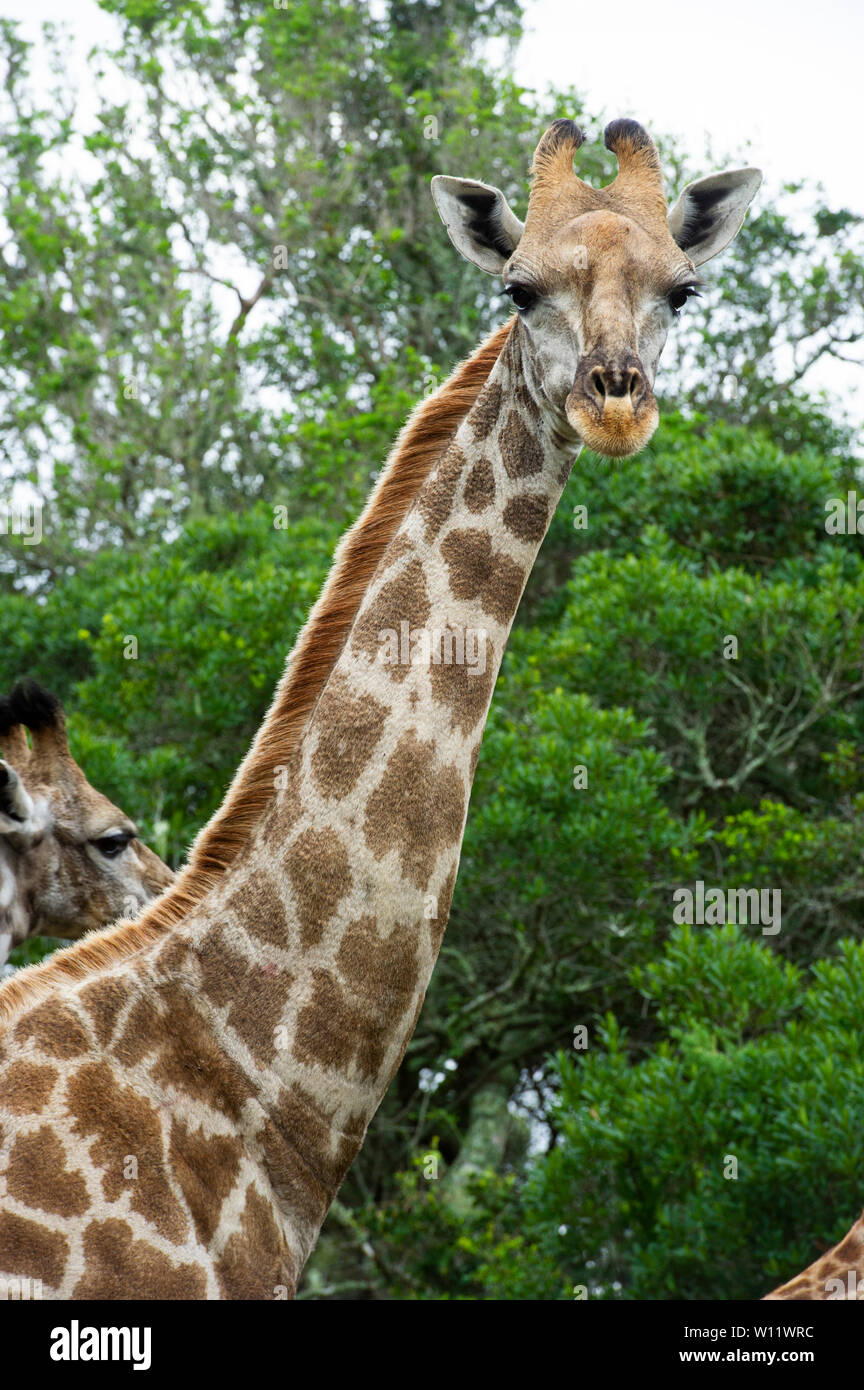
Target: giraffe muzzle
x,y
612,405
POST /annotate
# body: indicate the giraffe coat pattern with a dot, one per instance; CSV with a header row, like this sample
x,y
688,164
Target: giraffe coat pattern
x,y
181,1097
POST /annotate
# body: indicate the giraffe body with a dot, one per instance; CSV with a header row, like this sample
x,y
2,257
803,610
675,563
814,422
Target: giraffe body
x,y
255,1045
182,1096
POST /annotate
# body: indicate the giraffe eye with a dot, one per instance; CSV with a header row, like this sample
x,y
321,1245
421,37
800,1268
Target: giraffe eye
x,y
522,297
678,297
112,845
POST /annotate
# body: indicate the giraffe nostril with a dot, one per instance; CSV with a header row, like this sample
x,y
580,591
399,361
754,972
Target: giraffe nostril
x,y
614,379
598,382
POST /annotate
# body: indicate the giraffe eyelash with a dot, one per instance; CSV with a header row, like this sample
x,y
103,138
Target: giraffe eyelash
x,y
691,290
522,296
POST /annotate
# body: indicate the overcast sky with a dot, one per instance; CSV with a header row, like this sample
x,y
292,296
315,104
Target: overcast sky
x,y
783,75
775,83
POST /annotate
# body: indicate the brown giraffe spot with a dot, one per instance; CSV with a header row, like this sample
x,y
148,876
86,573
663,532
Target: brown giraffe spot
x,y
259,908
484,416
305,1167
436,497
303,1117
205,1168
38,1176
172,959
409,1033
103,1000
380,971
480,486
476,571
475,754
119,1267
317,864
520,452
416,809
56,1029
257,999
351,728
399,546
526,400
527,517
850,1248
190,1058
438,923
25,1087
221,968
256,1260
143,1028
565,471
329,1033
125,1125
511,354
27,1249
402,599
466,689
303,1194
355,1018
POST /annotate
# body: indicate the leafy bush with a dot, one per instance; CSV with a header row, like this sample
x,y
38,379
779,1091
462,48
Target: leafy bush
x,y
712,1166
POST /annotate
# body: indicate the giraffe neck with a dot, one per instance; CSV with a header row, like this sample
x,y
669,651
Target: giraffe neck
x,y
335,916
836,1275
249,1043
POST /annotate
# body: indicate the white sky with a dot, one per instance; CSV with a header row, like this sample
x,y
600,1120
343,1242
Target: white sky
x,y
774,83
785,75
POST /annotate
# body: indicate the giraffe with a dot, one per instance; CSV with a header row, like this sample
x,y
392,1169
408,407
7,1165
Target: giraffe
x,y
70,861
836,1275
181,1096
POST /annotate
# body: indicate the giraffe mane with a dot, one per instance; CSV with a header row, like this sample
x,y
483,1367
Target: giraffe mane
x,y
316,651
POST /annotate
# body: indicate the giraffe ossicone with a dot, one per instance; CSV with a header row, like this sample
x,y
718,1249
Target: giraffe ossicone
x,y
182,1095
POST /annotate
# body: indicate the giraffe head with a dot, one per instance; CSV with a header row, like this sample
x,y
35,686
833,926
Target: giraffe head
x,y
70,861
597,275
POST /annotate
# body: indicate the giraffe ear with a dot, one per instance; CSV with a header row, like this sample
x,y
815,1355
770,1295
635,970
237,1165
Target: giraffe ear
x,y
709,212
479,221
16,808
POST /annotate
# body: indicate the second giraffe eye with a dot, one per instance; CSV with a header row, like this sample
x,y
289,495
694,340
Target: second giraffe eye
x,y
522,297
112,845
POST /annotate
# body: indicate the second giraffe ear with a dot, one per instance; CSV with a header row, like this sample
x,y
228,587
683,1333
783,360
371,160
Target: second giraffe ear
x,y
479,221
